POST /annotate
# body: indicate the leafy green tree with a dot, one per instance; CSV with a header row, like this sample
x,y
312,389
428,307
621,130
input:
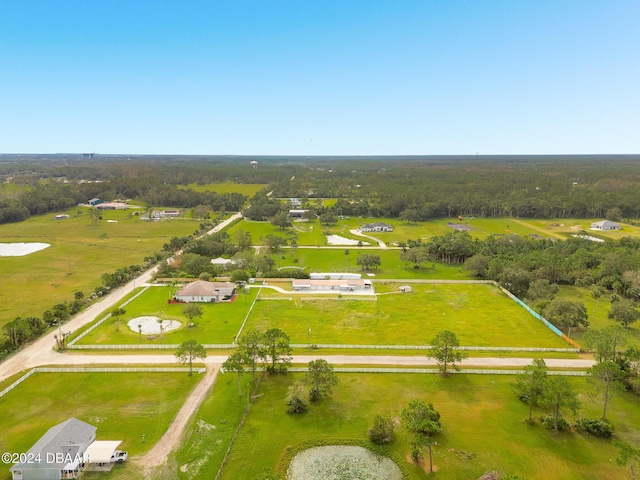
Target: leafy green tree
x,y
478,264
252,349
632,358
529,385
411,215
541,290
558,393
369,261
188,351
416,255
423,421
117,312
277,349
273,243
243,239
444,350
566,314
606,377
627,455
321,378
236,362
381,432
624,312
281,220
516,280
191,311
239,276
328,219
606,342
297,398
596,293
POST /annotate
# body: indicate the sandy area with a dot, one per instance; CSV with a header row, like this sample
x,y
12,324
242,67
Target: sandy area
x,y
21,249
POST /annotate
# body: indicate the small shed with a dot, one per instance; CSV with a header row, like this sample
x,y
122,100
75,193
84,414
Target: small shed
x,y
406,289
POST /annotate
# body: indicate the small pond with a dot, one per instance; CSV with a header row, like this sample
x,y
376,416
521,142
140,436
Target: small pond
x,y
342,462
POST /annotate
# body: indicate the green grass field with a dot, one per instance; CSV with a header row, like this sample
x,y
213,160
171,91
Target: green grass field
x,y
481,315
79,254
219,323
123,406
248,189
480,417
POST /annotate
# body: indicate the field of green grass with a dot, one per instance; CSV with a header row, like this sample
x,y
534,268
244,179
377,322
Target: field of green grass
x,y
481,315
248,189
219,323
481,417
79,254
123,406
336,260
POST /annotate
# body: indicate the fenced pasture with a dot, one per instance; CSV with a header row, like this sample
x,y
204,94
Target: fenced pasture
x,y
219,323
80,253
481,315
565,227
482,419
338,260
123,406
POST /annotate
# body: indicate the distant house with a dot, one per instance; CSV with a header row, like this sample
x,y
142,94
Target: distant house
x,y
171,213
61,217
297,213
60,452
221,261
605,225
94,201
376,227
338,286
112,206
203,291
295,202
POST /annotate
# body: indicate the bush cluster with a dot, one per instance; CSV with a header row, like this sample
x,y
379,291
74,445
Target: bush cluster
x,y
595,427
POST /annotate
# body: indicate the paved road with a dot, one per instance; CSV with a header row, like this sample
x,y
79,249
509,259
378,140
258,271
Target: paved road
x,y
41,351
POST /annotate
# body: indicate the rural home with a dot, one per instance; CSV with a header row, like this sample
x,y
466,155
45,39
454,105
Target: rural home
x,y
222,261
337,286
58,454
605,225
112,206
376,227
297,213
203,291
94,201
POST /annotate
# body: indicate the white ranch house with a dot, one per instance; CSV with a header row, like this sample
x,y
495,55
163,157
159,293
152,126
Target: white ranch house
x,y
376,227
202,291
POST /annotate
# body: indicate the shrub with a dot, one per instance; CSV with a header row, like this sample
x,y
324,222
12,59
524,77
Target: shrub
x,y
563,425
381,431
595,427
297,398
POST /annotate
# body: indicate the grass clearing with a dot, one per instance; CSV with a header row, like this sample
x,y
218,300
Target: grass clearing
x,y
79,254
219,323
480,416
123,406
248,189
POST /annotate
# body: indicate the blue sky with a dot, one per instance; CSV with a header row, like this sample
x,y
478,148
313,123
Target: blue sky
x,y
306,77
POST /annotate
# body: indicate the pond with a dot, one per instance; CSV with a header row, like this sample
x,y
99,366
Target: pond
x,y
151,325
342,462
20,249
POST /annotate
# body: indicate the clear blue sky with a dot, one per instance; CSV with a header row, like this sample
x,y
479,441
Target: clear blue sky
x,y
320,77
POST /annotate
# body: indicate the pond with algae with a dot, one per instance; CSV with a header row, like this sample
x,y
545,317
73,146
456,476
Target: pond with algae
x,y
342,462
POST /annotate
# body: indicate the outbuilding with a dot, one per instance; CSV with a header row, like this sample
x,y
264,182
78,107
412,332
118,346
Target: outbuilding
x,y
605,225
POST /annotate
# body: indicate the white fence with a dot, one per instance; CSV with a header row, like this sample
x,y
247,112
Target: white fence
x,y
96,370
571,373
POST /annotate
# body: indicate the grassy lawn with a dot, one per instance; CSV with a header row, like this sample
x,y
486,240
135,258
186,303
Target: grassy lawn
x,y
597,312
571,226
479,314
335,259
248,189
123,406
480,416
220,322
79,254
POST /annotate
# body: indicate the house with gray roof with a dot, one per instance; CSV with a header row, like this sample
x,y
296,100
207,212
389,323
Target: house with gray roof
x,y
203,291
58,454
605,225
376,227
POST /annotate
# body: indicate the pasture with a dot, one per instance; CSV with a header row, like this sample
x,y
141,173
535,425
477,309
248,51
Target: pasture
x,y
80,253
483,428
123,406
481,315
219,323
